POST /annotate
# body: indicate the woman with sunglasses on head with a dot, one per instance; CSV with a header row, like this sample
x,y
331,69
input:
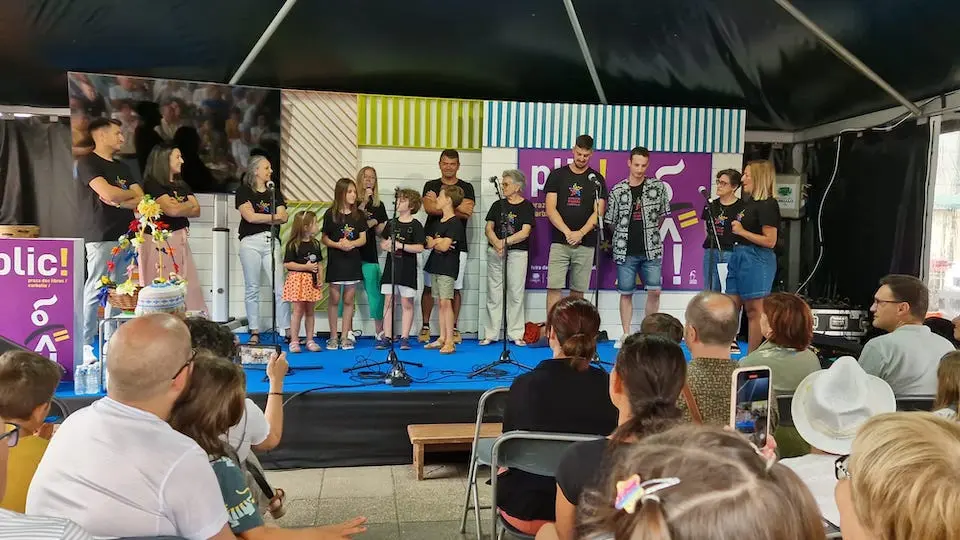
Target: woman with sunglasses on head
x,y
724,210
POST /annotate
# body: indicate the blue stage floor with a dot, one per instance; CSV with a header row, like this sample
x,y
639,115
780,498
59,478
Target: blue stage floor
x,y
439,372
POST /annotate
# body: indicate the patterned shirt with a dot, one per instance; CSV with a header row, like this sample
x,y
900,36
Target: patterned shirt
x,y
14,526
655,203
709,381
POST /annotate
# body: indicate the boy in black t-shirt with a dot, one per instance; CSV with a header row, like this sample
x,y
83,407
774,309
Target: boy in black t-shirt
x,y
409,242
447,239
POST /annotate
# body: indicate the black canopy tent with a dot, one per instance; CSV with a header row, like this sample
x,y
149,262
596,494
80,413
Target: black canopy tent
x,y
751,54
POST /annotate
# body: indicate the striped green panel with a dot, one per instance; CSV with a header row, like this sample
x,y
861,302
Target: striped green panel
x,y
412,122
511,124
318,208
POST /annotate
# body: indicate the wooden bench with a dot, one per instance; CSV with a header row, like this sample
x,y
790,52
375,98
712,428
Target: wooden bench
x,y
444,438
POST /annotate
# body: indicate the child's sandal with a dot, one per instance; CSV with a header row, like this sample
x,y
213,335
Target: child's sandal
x,y
312,346
295,346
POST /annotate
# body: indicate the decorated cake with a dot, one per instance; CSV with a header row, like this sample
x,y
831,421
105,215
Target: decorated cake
x,y
166,297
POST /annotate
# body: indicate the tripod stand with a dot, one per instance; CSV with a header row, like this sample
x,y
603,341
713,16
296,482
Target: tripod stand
x,y
596,260
505,357
398,374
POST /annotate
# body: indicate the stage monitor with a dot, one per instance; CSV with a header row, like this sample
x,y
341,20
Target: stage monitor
x,y
216,126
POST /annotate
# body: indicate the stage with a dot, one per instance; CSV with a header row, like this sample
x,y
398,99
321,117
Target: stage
x,y
333,419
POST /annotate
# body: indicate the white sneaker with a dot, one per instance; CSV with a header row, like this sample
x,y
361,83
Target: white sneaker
x,y
619,342
88,356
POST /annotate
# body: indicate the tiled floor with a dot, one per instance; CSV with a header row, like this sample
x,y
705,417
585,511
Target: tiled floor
x,y
396,505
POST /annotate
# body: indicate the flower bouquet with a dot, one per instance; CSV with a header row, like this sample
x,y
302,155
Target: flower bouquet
x,y
147,224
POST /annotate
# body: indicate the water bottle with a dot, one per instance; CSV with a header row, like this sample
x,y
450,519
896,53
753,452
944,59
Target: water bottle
x,y
93,379
80,380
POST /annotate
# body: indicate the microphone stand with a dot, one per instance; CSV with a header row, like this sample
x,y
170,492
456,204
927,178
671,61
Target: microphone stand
x,y
505,357
596,263
711,268
398,374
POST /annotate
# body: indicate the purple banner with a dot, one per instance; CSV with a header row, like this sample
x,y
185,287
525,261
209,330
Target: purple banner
x,y
683,231
41,280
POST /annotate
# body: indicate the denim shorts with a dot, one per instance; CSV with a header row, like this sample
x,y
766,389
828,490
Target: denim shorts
x,y
711,257
750,271
649,270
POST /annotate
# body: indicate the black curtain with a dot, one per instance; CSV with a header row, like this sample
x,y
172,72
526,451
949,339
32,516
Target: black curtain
x,y
36,177
873,215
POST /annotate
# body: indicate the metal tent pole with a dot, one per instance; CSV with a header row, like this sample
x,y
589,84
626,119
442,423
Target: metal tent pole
x,y
264,38
578,32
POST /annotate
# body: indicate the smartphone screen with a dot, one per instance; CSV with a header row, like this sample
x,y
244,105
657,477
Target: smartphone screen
x,y
256,354
750,403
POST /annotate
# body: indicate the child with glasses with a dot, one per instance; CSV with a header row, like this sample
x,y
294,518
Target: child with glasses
x,y
27,384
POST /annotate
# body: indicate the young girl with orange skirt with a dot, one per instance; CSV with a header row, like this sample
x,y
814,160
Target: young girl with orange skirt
x,y
302,258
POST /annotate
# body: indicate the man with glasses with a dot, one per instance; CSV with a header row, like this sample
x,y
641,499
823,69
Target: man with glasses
x,y
88,470
908,356
635,210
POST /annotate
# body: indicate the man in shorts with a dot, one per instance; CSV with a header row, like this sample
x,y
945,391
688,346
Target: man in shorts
x,y
449,166
635,211
573,209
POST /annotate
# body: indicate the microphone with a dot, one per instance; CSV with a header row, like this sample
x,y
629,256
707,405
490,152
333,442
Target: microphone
x,y
593,178
703,191
494,180
270,184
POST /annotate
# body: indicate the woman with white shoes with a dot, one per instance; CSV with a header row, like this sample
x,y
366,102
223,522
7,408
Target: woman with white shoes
x,y
509,224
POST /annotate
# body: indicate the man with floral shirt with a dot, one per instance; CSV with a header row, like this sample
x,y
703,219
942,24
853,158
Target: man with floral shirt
x,y
635,209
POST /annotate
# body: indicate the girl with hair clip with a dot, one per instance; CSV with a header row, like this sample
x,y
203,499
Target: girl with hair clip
x,y
695,482
645,384
163,182
213,402
948,386
343,228
302,258
374,211
563,394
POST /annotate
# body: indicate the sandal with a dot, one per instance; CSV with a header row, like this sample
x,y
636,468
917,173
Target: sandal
x,y
276,508
448,349
434,345
485,341
295,346
313,347
520,343
254,339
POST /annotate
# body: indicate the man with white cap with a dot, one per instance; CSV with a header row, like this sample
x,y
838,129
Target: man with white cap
x,y
828,408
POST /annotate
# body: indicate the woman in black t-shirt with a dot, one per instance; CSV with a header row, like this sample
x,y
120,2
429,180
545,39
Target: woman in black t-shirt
x,y
753,264
718,248
343,234
177,203
370,205
259,220
645,384
519,214
564,394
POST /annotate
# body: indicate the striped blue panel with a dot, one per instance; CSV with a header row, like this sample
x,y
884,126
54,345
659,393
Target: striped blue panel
x,y
512,124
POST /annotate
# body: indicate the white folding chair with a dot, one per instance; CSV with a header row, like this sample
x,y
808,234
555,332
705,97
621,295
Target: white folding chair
x,y
534,452
490,407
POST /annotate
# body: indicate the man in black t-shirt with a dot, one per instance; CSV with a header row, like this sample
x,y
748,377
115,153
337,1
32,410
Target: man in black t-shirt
x,y
449,165
573,208
111,194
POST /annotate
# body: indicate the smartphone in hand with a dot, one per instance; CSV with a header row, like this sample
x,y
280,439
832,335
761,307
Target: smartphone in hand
x,y
750,403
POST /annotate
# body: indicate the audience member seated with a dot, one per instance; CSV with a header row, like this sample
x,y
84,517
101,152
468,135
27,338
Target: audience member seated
x,y
644,386
213,402
901,481
698,482
787,326
257,429
943,328
117,468
907,357
664,325
828,408
27,384
712,325
564,394
947,400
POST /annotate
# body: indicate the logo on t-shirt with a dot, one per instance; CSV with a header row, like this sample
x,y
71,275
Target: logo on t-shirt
x,y
576,193
637,210
740,215
511,222
263,207
178,197
122,183
348,232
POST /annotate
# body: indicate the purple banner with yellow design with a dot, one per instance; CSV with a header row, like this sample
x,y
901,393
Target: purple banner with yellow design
x,y
683,231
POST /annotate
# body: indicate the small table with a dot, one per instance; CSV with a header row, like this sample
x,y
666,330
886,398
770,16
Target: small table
x,y
445,437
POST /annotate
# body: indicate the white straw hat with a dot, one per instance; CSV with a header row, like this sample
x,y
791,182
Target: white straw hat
x,y
830,405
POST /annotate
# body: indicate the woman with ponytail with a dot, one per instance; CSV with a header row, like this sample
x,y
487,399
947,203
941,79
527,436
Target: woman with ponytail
x,y
564,394
644,386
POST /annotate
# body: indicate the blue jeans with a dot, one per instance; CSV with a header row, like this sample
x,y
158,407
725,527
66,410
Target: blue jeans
x,y
649,270
711,257
255,262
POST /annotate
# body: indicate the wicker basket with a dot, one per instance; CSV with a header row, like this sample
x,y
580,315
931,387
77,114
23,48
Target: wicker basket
x,y
124,302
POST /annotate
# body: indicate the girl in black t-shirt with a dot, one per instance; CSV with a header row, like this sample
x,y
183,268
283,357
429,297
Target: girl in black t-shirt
x,y
753,264
373,209
410,240
343,234
302,258
177,203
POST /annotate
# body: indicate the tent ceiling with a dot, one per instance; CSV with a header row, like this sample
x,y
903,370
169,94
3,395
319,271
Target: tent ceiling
x,y
734,53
